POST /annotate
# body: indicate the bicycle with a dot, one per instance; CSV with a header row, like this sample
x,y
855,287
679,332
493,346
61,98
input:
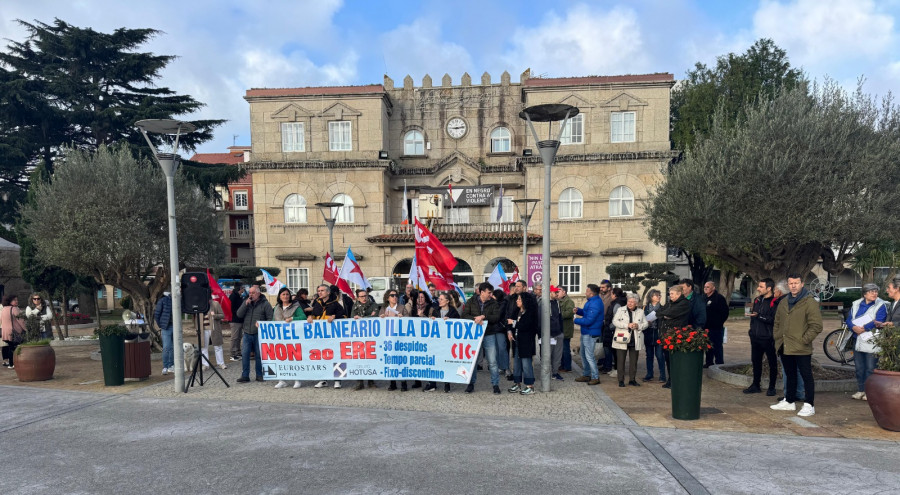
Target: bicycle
x,y
838,344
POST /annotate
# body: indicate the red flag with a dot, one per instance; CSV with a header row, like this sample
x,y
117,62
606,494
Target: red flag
x,y
332,276
219,295
436,261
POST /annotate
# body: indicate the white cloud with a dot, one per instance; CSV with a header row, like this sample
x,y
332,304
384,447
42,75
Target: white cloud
x,y
586,41
819,31
416,49
262,68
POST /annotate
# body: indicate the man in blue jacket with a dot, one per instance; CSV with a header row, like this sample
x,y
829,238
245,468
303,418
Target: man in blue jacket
x,y
591,323
163,317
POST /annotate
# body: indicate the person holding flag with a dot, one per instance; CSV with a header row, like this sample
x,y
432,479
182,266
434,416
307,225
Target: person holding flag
x,y
326,307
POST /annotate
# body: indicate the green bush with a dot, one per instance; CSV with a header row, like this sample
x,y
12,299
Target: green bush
x,y
846,297
33,343
888,340
111,331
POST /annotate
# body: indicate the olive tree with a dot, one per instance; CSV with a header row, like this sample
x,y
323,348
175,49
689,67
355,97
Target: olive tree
x,y
803,176
104,215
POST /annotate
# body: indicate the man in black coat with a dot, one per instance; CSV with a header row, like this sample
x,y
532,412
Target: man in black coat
x,y
762,343
236,298
716,314
482,307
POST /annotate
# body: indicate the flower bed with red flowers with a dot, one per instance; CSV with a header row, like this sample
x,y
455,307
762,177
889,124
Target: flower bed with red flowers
x,y
685,339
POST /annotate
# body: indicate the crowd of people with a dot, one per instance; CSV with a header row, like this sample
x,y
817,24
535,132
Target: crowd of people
x,y
615,326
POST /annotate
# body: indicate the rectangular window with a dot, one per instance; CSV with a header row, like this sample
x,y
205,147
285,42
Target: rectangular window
x,y
339,136
101,294
457,215
574,131
292,137
507,214
118,294
570,278
621,127
240,200
297,278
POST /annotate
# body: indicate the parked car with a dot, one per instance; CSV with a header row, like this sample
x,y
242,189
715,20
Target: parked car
x,y
73,306
850,289
738,300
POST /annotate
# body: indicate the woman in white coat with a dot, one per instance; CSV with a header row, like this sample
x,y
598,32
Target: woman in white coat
x,y
629,324
39,310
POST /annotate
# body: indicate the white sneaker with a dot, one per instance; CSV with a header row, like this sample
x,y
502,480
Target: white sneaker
x,y
865,397
784,405
337,384
806,410
281,384
858,395
165,371
321,384
296,383
613,373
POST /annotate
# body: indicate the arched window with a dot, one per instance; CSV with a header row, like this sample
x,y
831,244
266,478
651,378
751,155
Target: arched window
x,y
413,143
621,202
295,209
343,214
500,141
570,203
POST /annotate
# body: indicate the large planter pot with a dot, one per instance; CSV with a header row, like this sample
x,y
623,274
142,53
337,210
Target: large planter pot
x,y
883,394
686,373
35,363
112,354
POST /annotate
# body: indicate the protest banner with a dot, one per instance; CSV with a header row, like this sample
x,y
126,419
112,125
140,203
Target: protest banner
x,y
370,349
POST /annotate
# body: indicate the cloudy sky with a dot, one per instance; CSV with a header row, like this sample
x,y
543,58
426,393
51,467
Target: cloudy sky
x,y
228,46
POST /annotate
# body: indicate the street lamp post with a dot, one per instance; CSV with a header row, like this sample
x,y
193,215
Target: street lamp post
x,y
329,221
169,163
525,213
550,112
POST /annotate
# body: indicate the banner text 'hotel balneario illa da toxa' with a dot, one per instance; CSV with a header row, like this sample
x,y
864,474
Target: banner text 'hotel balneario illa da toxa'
x,y
370,349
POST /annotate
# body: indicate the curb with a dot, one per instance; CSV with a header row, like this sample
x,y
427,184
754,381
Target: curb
x,y
73,343
716,373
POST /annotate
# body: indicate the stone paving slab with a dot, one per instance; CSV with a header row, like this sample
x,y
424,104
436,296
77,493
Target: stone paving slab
x,y
132,444
568,401
745,463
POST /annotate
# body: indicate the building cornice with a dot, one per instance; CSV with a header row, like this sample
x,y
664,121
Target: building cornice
x,y
320,165
605,157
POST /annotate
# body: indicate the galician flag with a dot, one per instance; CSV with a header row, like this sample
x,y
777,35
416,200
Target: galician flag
x,y
499,279
272,283
405,213
351,271
417,277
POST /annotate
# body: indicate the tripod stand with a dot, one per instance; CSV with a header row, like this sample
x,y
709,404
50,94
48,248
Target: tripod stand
x,y
198,361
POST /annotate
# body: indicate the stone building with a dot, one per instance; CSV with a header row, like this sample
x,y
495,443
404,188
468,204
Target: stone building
x,y
361,145
235,206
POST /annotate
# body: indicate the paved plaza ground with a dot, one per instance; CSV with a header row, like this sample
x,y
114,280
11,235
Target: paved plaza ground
x,y
251,438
